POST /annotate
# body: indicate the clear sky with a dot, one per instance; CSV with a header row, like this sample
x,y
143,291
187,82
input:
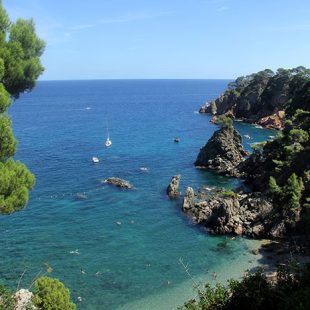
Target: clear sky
x,y
94,39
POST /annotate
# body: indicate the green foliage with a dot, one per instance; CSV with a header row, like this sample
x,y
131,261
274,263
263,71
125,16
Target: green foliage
x,y
290,194
4,24
273,186
250,293
255,292
7,301
5,100
210,298
298,135
20,56
51,294
224,121
20,51
15,182
258,146
229,194
293,191
7,140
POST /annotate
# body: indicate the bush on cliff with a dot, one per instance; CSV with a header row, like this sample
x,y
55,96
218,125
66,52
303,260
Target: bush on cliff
x,y
256,292
7,301
224,121
290,194
51,294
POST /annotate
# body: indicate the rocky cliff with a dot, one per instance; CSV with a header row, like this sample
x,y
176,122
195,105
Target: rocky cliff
x,y
223,152
263,97
226,212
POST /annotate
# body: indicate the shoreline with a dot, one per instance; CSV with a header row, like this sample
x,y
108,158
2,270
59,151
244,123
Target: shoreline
x,y
257,255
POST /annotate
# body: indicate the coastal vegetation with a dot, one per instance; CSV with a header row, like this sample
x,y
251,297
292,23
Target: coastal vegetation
x,y
50,294
20,66
263,96
289,290
278,170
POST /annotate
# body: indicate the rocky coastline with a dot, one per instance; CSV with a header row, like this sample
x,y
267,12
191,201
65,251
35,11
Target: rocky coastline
x,y
226,212
263,98
255,213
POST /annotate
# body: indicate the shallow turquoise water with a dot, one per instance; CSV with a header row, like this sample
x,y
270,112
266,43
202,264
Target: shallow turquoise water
x,y
138,258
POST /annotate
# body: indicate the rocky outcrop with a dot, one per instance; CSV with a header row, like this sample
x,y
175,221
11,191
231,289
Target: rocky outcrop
x,y
258,97
188,201
209,108
274,121
225,212
173,187
223,152
23,300
118,182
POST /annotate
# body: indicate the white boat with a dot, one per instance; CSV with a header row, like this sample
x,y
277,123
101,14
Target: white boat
x,y
95,160
108,142
247,136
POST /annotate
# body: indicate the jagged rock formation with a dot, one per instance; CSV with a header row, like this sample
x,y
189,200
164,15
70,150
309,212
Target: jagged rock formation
x,y
188,201
119,183
274,121
225,212
278,171
264,94
173,187
223,152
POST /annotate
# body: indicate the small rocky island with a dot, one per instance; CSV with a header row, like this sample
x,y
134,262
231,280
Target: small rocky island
x,y
118,183
173,187
223,152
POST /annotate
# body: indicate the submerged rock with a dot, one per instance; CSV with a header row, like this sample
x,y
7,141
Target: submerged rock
x,y
119,182
223,152
173,187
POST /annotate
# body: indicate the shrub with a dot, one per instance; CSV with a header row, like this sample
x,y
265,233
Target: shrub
x,y
224,120
255,292
51,294
7,301
290,194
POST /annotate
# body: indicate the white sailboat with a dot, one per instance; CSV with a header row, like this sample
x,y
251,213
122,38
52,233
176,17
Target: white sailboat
x,y
108,142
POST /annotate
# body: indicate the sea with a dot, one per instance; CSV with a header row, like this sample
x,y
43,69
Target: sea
x,y
114,248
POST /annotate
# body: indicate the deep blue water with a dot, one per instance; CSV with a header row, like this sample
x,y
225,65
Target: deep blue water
x,y
60,126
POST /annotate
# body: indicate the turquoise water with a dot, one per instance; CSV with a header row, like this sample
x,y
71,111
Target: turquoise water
x,y
60,126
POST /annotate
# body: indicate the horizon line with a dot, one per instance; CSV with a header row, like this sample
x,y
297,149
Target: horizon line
x,y
131,79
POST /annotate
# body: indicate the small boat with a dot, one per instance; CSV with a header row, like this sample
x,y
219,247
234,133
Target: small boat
x,y
247,136
95,160
108,142
177,140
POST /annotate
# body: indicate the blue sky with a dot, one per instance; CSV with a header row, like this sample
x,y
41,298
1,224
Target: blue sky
x,y
97,39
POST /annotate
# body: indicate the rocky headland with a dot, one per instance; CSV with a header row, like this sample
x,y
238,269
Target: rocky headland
x,y
226,212
264,97
277,174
